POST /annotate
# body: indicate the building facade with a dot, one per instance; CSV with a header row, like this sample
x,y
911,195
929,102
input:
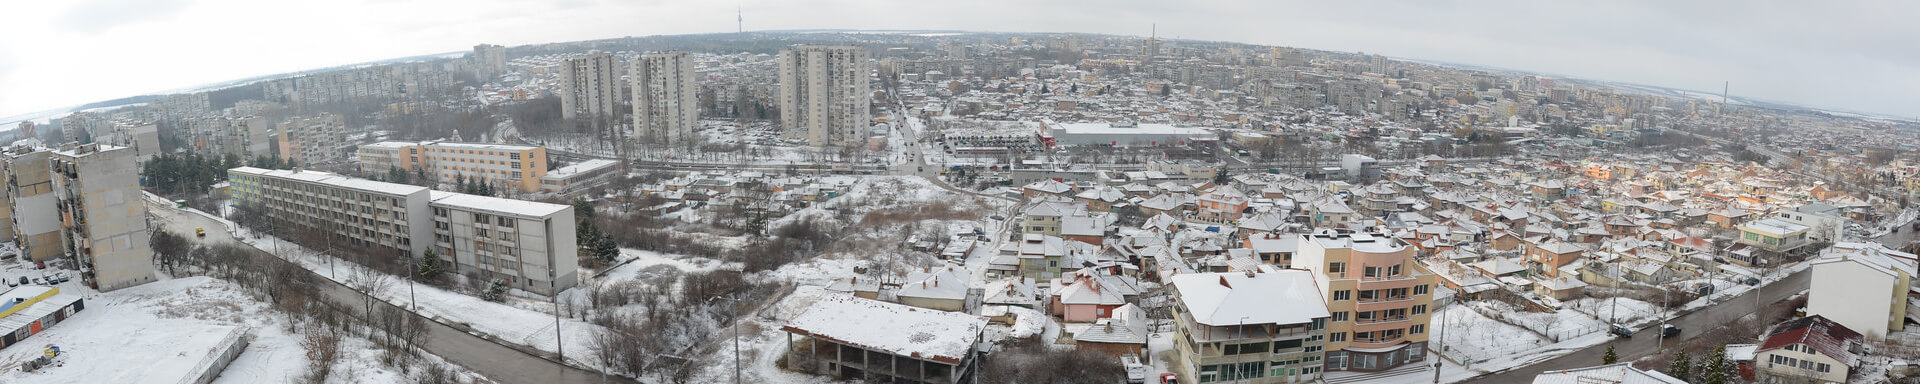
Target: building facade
x,y
529,245
825,96
243,136
316,139
589,88
519,167
1258,326
33,223
665,107
102,215
489,61
1379,299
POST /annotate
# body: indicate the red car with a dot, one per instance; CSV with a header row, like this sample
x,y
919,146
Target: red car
x,y
1168,378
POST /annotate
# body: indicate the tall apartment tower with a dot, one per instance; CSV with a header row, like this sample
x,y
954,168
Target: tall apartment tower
x,y
589,88
665,107
955,50
33,222
1379,300
103,220
489,61
315,139
825,96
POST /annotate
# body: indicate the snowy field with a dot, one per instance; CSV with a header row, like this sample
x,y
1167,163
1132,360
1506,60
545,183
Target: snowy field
x,y
157,332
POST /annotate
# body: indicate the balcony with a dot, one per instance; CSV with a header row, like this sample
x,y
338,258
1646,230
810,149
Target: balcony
x,y
1376,342
1404,276
1380,320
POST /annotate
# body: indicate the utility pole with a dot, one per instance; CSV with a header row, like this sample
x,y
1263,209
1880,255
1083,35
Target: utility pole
x,y
412,302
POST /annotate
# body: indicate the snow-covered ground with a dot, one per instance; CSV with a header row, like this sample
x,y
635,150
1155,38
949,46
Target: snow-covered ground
x,y
158,332
1483,344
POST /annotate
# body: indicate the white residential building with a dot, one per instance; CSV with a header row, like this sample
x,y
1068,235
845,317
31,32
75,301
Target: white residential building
x,y
1258,326
528,244
489,61
825,96
316,139
590,88
665,107
1865,287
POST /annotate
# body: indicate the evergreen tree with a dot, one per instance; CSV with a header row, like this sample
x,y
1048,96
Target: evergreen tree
x,y
582,209
1610,357
605,250
1680,367
1716,369
496,291
431,266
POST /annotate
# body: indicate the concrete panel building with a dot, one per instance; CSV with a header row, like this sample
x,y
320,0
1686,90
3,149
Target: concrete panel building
x,y
589,87
1865,287
33,223
530,245
102,216
519,167
316,139
665,107
825,96
1379,300
243,136
488,61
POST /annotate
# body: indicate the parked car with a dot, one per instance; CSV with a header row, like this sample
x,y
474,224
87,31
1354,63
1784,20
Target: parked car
x,y
1622,331
200,232
1136,372
1668,330
1169,378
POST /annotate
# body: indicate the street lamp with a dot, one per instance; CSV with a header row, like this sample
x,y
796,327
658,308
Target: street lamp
x,y
736,335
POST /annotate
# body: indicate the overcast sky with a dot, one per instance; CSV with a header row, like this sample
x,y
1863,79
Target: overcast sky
x,y
1844,55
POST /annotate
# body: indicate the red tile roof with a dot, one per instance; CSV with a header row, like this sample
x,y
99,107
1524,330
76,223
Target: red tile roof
x,y
1825,336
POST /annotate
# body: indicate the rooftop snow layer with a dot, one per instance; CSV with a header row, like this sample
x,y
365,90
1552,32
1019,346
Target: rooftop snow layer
x,y
920,333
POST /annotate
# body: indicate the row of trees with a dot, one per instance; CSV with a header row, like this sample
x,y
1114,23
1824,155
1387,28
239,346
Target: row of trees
x,y
294,292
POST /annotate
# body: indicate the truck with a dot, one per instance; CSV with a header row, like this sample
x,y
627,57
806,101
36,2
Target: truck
x,y
1136,372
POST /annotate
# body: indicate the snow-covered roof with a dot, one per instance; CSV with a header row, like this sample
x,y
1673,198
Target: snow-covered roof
x,y
921,333
1266,296
949,283
1774,227
495,204
1622,373
332,179
578,168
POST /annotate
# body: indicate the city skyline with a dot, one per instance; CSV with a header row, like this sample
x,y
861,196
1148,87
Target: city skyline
x,y
1812,55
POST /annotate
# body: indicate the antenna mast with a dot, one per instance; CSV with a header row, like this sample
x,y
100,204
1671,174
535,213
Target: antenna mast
x,y
739,20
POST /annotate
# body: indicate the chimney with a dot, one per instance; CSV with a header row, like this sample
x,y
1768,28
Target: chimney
x,y
1223,282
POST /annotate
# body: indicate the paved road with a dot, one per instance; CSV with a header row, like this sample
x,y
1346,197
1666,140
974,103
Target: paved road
x,y
496,362
1647,341
1902,235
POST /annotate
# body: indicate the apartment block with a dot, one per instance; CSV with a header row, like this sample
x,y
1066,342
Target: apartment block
x,y
489,61
825,96
34,223
103,219
316,139
357,213
529,244
1379,300
218,136
589,88
1266,325
382,157
141,136
665,107
517,166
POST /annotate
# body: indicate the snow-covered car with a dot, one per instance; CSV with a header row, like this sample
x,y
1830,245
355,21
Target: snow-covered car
x,y
1136,372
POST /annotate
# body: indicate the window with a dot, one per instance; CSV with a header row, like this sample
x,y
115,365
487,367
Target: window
x,y
1822,367
1342,295
1417,329
1370,271
1393,270
1340,268
1420,289
506,222
1420,309
1340,316
1286,344
1337,337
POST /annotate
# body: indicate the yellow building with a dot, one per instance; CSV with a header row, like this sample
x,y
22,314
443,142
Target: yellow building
x,y
516,166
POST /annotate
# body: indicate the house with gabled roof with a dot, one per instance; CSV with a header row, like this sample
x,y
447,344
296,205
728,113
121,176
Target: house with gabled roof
x,y
1807,349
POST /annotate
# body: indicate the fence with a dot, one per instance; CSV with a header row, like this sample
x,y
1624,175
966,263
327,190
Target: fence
x,y
217,359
